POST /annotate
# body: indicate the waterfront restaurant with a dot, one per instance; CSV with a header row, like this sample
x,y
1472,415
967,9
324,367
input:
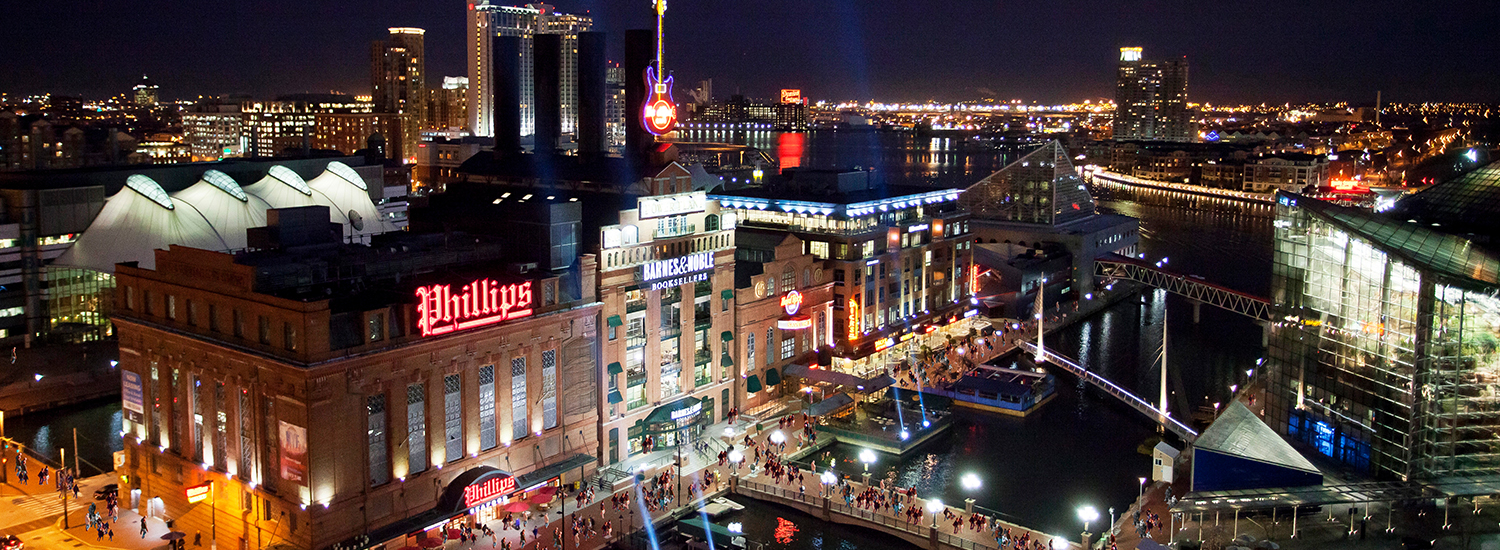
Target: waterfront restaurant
x,y
331,395
900,260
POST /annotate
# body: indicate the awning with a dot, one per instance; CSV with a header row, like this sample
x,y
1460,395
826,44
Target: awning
x,y
614,321
614,397
695,528
664,412
830,405
772,377
726,361
726,336
864,385
614,368
752,384
727,294
540,475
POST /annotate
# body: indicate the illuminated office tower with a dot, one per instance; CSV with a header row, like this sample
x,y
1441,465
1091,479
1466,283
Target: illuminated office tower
x,y
1151,99
398,81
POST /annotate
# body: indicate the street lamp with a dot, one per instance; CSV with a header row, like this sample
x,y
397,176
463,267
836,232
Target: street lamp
x,y
736,457
934,506
1143,489
867,456
777,437
1087,514
970,482
828,480
1059,543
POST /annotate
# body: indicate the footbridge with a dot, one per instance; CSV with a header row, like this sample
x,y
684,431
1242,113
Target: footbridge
x,y
1117,267
1183,431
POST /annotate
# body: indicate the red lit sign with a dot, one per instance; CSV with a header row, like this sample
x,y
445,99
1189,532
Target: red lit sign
x,y
482,302
791,96
198,493
660,114
791,302
490,489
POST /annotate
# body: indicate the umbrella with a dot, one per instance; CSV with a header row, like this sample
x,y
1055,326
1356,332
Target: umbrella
x,y
411,548
431,542
517,506
454,533
545,493
174,535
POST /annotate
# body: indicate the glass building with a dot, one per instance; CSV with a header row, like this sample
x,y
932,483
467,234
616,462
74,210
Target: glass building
x,y
1386,352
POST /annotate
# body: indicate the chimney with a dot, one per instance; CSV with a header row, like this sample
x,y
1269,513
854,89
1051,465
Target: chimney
x,y
591,93
546,75
506,69
639,53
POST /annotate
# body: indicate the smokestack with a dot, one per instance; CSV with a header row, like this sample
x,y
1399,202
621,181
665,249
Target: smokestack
x,y
639,52
505,68
591,93
546,75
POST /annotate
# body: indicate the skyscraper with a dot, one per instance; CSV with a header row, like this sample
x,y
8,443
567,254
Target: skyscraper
x,y
145,92
398,81
487,20
1151,99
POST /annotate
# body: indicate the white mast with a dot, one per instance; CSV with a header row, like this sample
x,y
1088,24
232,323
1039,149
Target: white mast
x,y
1164,413
1041,291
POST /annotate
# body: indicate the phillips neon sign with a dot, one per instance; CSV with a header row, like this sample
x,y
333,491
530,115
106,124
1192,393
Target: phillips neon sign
x,y
494,487
482,302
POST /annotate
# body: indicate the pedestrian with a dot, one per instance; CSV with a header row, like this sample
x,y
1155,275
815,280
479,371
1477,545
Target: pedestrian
x,y
143,528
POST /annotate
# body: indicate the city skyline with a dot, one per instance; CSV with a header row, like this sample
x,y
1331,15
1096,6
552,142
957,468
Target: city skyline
x,y
838,50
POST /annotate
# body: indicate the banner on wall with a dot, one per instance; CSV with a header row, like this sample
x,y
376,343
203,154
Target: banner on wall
x,y
293,453
131,392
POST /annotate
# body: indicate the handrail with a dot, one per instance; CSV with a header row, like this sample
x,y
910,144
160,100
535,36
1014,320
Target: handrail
x,y
1182,430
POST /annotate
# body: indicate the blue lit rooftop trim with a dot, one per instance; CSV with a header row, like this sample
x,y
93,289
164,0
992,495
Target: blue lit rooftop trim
x,y
225,184
148,188
829,208
287,176
348,174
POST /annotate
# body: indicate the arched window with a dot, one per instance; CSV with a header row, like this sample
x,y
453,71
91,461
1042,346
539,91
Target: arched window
x,y
711,223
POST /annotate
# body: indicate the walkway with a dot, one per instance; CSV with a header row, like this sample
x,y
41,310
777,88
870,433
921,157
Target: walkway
x,y
1182,430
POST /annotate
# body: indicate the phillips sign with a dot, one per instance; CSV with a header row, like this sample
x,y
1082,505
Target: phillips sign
x,y
482,302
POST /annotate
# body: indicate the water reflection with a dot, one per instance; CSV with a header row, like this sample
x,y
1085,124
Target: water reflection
x,y
98,423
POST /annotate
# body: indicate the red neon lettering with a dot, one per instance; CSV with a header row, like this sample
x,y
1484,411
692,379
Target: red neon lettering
x,y
482,302
490,489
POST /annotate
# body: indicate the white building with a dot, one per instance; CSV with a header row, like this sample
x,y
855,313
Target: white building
x,y
487,21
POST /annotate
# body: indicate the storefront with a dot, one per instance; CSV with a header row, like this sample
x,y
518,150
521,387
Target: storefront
x,y
667,426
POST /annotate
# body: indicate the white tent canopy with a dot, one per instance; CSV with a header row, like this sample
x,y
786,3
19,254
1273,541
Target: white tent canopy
x,y
214,213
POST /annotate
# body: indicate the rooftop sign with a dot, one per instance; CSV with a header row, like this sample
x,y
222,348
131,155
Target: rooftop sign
x,y
482,302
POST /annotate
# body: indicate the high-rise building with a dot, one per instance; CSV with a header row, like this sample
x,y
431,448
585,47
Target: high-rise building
x,y
1151,99
614,105
488,20
1382,353
214,130
145,92
276,128
448,105
398,82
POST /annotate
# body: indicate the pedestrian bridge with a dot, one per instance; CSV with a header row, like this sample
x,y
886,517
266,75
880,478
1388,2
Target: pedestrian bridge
x,y
1117,267
922,534
1135,402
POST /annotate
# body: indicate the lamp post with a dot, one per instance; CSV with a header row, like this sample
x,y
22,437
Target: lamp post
x,y
828,480
778,437
867,456
934,506
735,458
63,454
1142,492
1087,514
971,483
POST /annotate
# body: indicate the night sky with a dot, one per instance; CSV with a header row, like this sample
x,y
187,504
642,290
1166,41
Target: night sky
x,y
889,50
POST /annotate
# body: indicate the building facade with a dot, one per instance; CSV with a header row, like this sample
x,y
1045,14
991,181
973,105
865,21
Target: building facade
x,y
448,105
1151,100
214,130
398,84
666,279
451,393
1383,356
487,20
784,311
1292,172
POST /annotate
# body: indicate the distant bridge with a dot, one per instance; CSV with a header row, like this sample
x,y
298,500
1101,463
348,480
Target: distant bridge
x,y
1182,430
1115,266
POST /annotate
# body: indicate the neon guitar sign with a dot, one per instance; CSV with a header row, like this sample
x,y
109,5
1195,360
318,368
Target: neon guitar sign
x,y
660,113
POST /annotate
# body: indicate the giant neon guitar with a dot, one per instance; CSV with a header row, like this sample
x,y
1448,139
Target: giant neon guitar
x,y
660,113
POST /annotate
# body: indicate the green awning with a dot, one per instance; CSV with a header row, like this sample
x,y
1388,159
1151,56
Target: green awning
x,y
614,321
772,377
726,336
726,361
727,294
614,397
664,413
752,384
614,368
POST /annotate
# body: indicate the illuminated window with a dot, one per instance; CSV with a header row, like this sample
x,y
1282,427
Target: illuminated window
x,y
416,427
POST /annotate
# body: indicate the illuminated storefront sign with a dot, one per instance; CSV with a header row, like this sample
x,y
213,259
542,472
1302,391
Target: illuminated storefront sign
x,y
482,302
853,319
974,279
198,493
791,96
800,322
690,411
653,207
916,228
884,343
489,489
791,302
677,267
660,114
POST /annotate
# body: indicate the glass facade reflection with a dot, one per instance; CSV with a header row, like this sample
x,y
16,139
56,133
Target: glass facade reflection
x,y
1384,355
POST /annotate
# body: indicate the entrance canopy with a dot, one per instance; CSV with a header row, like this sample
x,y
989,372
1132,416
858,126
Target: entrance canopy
x,y
680,408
